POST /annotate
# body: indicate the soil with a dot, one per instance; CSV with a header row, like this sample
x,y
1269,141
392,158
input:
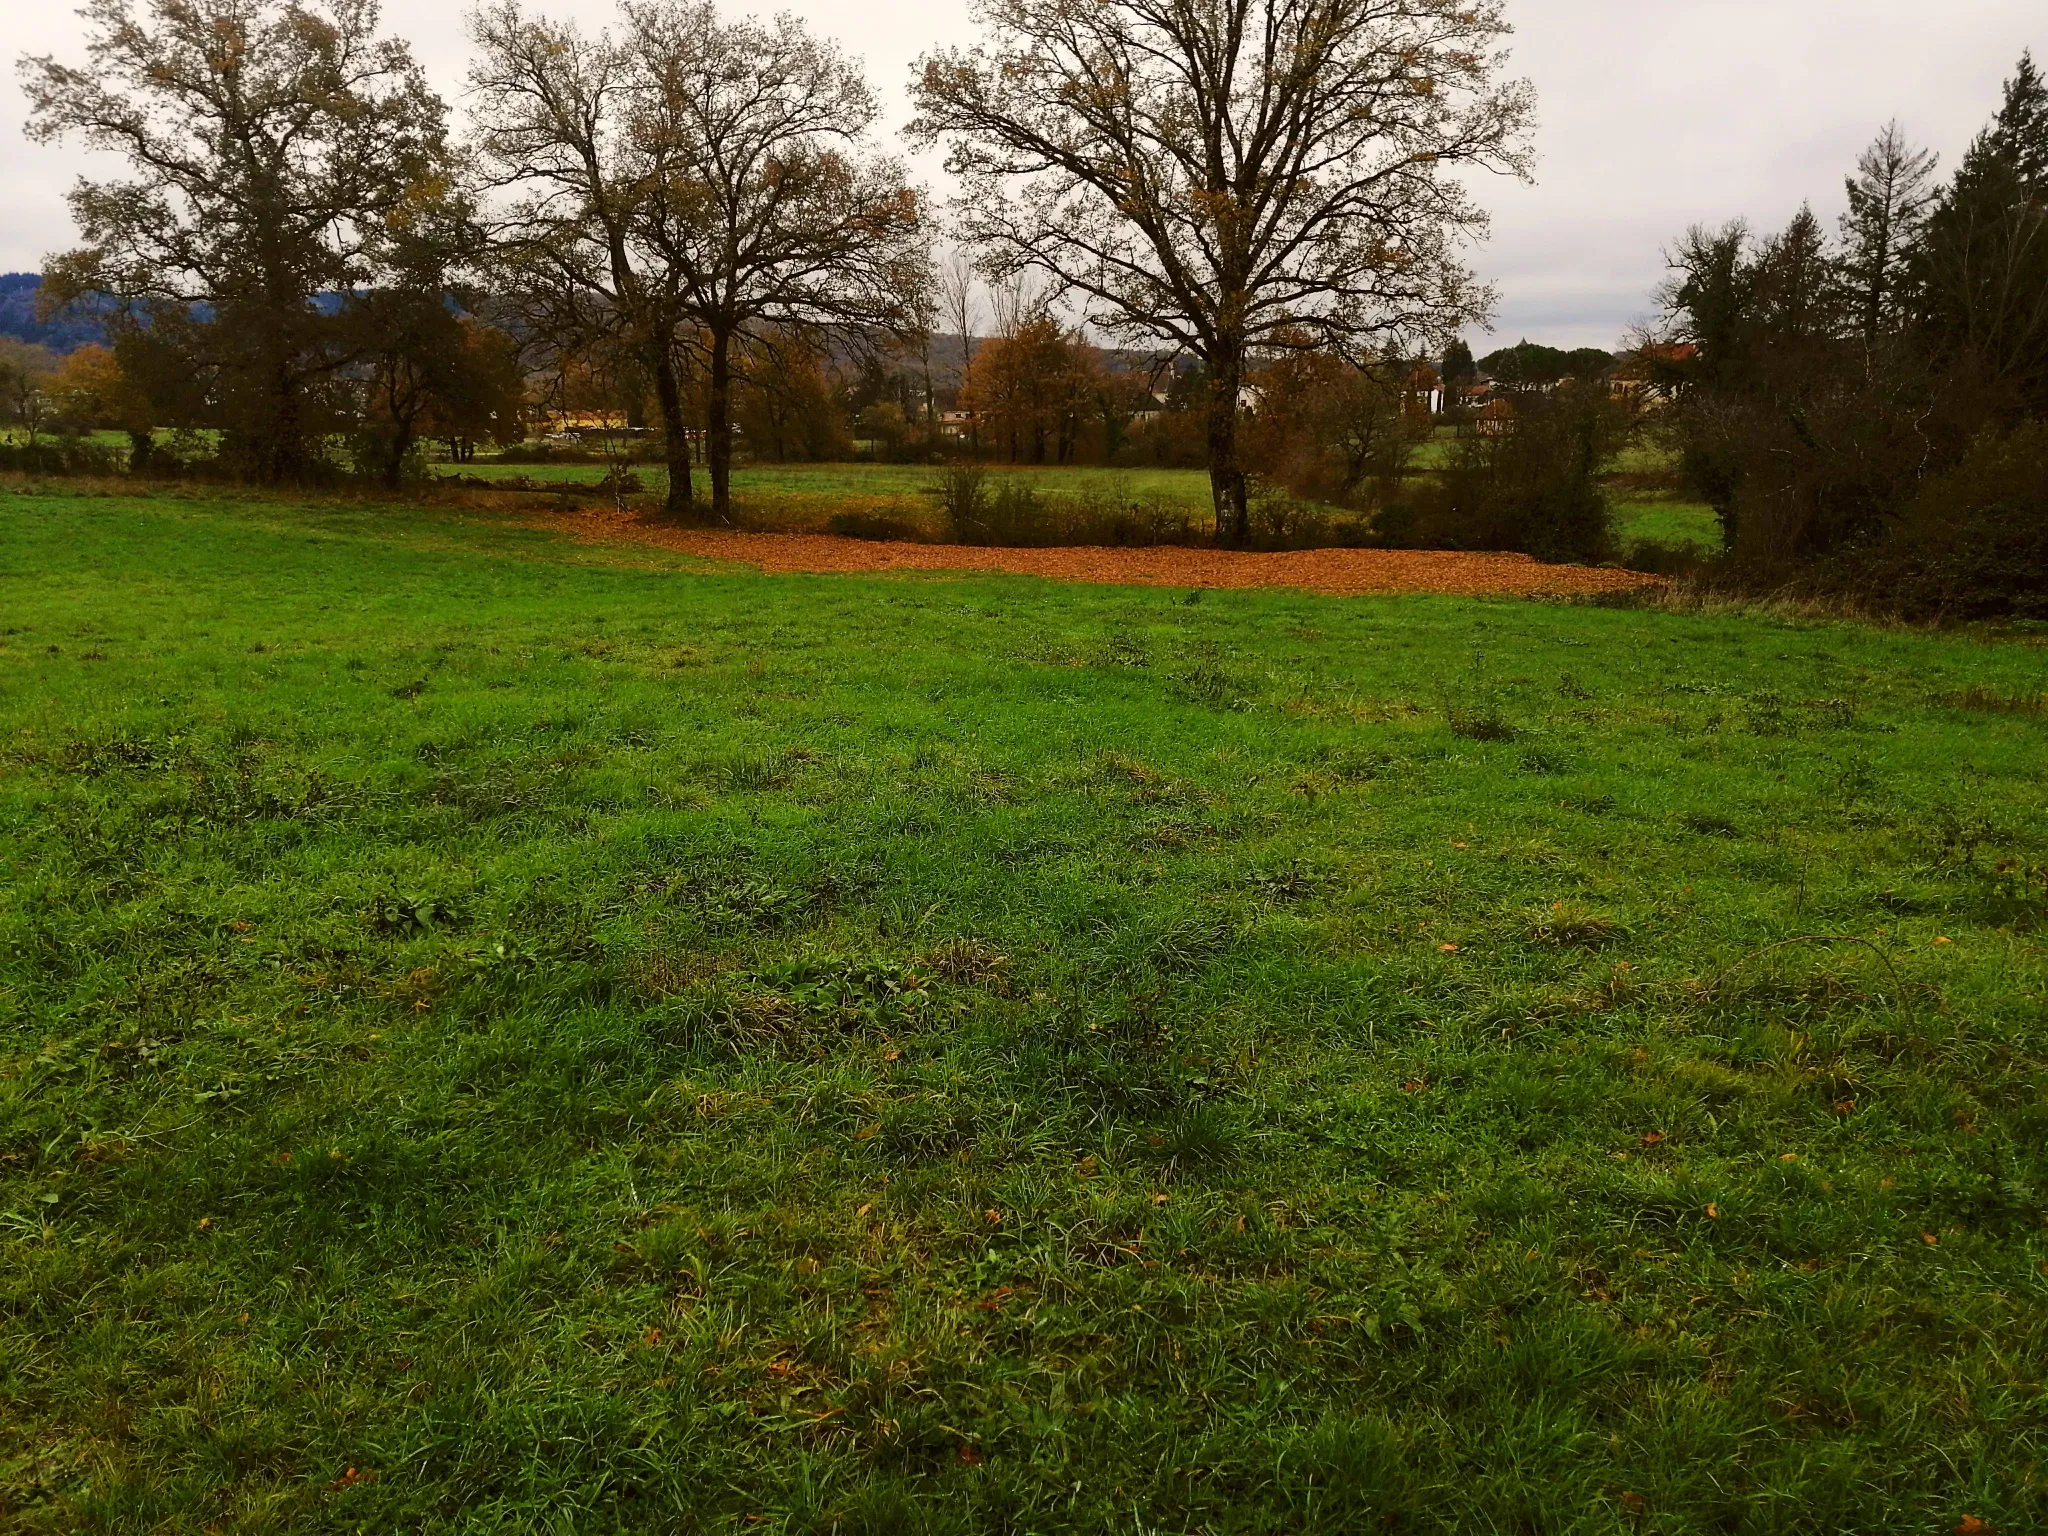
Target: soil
x,y
1335,572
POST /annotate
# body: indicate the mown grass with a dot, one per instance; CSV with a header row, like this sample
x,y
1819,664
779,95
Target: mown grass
x,y
500,1040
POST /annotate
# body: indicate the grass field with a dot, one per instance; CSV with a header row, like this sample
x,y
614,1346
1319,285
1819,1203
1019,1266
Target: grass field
x,y
497,1040
813,492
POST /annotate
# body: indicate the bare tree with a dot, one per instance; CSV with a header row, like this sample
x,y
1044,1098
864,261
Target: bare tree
x,y
556,118
1888,200
1220,175
271,142
765,205
958,302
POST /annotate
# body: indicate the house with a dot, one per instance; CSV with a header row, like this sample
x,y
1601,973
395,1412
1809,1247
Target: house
x,y
1425,388
1651,373
1496,418
956,425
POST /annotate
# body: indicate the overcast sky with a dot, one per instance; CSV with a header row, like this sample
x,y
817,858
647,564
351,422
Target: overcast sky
x,y
1654,114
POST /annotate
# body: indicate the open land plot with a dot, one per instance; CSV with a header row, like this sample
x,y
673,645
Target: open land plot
x,y
809,494
505,1033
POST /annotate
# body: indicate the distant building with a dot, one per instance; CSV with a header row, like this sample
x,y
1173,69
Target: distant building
x,y
1650,374
1496,418
1425,389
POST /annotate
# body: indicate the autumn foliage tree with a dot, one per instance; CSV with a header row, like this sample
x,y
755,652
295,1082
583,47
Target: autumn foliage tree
x,y
1216,176
268,143
1033,393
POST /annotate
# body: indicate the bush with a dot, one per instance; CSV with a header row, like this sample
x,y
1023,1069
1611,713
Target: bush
x,y
1973,545
1281,521
1533,488
868,525
1009,511
62,456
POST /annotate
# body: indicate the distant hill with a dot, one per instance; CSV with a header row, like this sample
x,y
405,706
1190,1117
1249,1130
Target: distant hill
x,y
66,333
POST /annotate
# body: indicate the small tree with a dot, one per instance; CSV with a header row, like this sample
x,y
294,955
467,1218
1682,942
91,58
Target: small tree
x,y
93,392
1032,392
1215,176
27,372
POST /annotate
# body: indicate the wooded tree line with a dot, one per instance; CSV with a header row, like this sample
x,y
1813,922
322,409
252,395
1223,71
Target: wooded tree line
x,y
1869,408
693,213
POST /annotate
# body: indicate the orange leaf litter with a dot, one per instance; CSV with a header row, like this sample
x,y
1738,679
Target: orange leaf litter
x,y
1333,572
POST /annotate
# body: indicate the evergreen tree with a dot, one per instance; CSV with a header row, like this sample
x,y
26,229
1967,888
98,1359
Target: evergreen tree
x,y
1980,269
1888,198
1796,285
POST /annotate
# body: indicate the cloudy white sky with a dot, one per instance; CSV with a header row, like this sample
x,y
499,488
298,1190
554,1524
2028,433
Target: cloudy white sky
x,y
1654,114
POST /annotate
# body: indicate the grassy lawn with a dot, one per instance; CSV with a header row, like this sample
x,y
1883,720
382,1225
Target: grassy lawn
x,y
492,1039
1667,522
906,484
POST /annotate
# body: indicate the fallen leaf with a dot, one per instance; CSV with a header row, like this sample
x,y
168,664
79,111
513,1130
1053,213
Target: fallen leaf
x,y
1415,1085
1160,1198
651,1337
1941,941
1845,1107
1713,1211
1970,1525
1930,1239
891,1055
995,1217
1634,1503
970,1455
1788,1157
1448,949
1650,1139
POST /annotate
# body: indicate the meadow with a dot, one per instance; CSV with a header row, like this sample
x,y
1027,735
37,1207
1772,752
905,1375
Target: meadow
x,y
807,495
501,1034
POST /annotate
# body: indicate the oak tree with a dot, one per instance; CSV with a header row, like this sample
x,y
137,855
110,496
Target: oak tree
x,y
764,201
1224,175
268,141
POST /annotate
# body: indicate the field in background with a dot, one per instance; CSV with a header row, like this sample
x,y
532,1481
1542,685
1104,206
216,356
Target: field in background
x,y
809,494
501,1033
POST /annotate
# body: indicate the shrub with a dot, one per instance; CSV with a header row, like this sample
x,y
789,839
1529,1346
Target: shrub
x,y
1007,510
1974,544
870,525
1533,488
62,456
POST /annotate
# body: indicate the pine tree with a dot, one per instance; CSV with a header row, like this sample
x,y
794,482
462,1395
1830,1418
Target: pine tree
x,y
2018,138
1980,269
1888,199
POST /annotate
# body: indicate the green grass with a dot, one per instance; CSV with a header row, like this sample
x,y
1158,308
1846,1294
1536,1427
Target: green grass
x,y
1668,522
644,1046
905,483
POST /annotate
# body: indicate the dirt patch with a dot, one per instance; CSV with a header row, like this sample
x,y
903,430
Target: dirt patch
x,y
1337,572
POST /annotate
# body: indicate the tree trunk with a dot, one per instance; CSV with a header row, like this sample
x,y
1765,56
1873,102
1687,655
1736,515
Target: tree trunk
x,y
675,434
718,426
401,445
141,443
1227,489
